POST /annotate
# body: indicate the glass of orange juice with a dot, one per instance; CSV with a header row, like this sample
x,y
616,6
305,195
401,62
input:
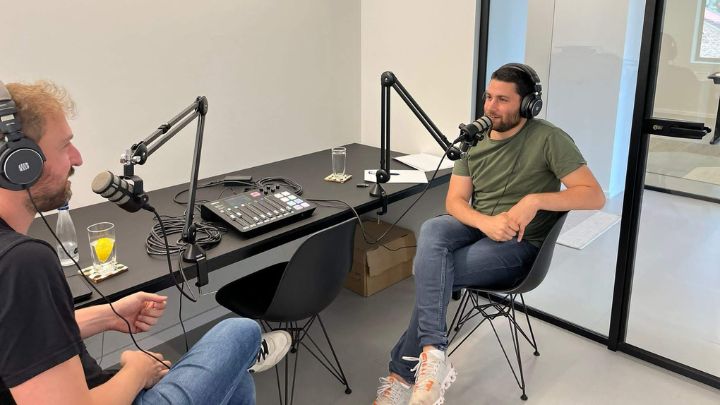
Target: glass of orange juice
x,y
102,247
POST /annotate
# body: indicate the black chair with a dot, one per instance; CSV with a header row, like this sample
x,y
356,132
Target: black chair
x,y
293,294
501,303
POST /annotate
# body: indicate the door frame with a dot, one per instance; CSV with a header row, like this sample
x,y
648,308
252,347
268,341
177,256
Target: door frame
x,y
634,189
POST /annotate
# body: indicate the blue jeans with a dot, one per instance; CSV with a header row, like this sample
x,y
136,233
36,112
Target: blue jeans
x,y
214,371
450,256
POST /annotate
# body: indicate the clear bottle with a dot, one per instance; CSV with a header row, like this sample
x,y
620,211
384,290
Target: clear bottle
x,y
65,231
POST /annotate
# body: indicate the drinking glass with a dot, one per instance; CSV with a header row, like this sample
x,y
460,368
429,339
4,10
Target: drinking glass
x,y
102,247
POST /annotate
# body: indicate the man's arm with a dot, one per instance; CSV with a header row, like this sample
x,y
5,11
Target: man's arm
x,y
457,203
65,383
582,192
142,310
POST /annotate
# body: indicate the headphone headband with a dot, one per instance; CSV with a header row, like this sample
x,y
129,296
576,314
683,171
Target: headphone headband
x,y
531,104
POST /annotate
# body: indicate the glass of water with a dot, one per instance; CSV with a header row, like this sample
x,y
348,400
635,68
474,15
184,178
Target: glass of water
x,y
338,161
102,247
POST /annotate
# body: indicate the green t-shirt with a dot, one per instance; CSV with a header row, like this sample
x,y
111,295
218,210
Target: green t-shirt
x,y
532,161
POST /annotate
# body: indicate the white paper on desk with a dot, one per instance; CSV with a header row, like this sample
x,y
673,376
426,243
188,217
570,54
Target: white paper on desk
x,y
400,176
425,162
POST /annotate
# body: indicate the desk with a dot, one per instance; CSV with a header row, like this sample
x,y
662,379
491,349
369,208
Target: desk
x,y
150,273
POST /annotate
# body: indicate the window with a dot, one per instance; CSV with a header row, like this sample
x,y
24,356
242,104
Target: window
x,y
707,40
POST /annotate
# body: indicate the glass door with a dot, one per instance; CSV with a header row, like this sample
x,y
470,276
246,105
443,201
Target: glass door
x,y
674,307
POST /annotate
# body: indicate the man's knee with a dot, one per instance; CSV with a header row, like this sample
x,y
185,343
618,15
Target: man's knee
x,y
438,228
239,329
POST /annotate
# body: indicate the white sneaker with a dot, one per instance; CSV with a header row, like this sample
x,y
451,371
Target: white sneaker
x,y
433,375
273,347
392,392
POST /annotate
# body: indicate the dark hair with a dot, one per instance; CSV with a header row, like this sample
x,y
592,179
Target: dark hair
x,y
524,85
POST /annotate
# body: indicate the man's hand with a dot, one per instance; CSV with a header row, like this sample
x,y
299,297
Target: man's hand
x,y
522,213
150,369
142,310
500,227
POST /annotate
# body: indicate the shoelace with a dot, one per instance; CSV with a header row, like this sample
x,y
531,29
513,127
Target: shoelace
x,y
423,370
263,352
386,385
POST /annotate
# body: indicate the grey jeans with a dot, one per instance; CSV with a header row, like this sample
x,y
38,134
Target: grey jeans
x,y
450,256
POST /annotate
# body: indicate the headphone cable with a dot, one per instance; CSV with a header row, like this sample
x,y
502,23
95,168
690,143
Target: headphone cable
x,y
91,284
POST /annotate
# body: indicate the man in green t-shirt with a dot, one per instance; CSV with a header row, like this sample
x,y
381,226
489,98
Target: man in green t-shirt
x,y
503,198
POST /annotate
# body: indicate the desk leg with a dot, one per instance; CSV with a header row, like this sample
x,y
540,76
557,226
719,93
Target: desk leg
x,y
716,135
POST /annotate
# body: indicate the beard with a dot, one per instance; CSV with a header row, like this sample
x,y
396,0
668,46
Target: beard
x,y
49,195
504,125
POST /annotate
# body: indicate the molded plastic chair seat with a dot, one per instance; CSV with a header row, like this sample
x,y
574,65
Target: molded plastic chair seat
x,y
293,293
471,306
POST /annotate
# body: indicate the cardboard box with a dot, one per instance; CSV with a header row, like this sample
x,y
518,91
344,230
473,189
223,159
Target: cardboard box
x,y
375,267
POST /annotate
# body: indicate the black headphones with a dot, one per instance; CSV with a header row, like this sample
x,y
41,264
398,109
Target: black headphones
x,y
531,104
21,160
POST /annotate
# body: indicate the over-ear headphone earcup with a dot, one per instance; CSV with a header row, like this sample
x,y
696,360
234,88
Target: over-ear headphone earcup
x,y
21,163
530,106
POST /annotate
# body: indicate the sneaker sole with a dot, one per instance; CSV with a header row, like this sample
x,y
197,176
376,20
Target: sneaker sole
x,y
449,379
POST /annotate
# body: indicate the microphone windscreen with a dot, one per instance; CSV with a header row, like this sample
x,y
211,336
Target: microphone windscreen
x,y
101,182
112,187
483,123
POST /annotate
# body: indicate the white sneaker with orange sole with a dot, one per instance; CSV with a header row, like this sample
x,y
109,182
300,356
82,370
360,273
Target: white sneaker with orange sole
x,y
433,376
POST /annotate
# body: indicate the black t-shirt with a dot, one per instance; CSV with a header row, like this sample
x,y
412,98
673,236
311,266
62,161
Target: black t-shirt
x,y
37,319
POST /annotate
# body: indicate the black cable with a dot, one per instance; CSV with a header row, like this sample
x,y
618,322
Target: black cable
x,y
211,184
208,235
91,284
167,256
281,181
507,182
362,228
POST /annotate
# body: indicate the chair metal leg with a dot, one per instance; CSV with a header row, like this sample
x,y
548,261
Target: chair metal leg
x,y
332,349
470,307
516,343
527,318
301,337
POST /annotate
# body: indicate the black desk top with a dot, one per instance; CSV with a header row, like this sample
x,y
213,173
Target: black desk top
x,y
150,273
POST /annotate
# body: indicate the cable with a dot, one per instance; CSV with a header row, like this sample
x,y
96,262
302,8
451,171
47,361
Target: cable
x,y
208,235
211,184
362,228
512,170
91,284
281,181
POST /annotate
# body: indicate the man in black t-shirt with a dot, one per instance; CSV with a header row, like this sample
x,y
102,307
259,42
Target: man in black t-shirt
x,y
42,356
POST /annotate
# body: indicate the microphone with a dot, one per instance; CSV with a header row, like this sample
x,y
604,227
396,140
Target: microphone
x,y
475,131
119,191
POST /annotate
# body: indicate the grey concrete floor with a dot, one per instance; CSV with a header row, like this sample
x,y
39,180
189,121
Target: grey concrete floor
x,y
570,370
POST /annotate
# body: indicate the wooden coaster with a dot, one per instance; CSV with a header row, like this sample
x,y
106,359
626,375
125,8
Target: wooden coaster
x,y
338,178
96,277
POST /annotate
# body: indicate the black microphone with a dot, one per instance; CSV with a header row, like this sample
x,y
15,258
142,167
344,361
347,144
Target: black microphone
x,y
119,191
475,131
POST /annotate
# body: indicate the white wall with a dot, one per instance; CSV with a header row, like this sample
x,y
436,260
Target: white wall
x,y
281,77
430,46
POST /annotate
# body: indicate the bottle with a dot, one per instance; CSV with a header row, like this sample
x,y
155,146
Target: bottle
x,y
65,231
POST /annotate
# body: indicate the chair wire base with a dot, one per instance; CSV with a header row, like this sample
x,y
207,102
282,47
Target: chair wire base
x,y
299,331
471,307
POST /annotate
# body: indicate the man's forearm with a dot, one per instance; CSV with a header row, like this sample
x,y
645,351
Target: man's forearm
x,y
574,198
463,212
121,389
93,320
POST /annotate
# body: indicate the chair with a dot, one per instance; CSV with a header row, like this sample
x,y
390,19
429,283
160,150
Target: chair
x,y
502,304
293,293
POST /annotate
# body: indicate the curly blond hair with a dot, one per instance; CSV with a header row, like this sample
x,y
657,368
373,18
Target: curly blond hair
x,y
36,102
